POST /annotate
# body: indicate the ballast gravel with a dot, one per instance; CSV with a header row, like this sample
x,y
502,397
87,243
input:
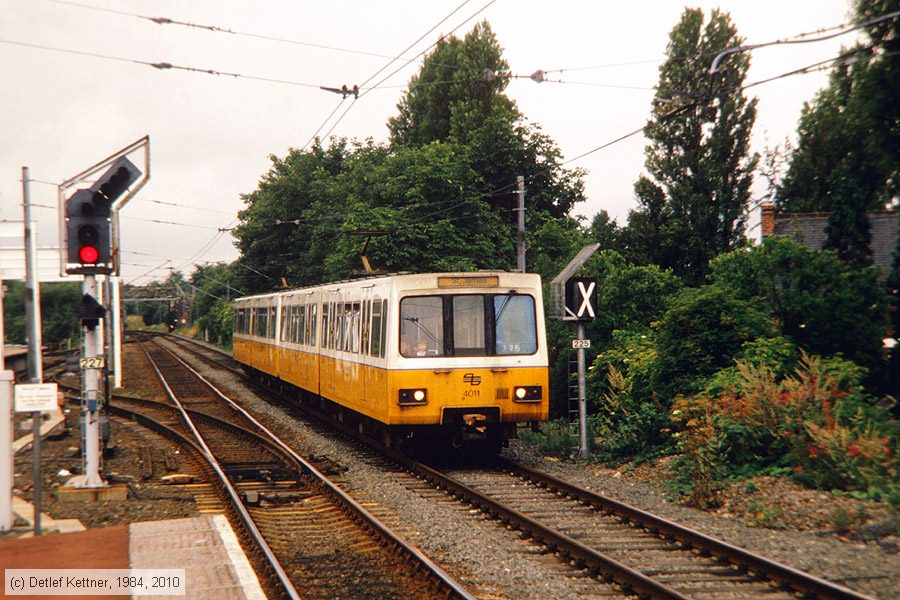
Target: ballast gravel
x,y
498,563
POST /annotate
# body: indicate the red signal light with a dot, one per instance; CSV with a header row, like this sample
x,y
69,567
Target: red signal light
x,y
88,254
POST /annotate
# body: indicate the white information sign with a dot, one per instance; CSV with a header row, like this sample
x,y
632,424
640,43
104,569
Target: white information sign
x,y
31,397
581,344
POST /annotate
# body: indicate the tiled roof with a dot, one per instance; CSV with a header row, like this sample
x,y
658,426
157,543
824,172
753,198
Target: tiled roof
x,y
811,230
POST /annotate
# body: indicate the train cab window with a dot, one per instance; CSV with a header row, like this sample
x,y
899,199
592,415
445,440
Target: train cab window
x,y
468,325
515,325
421,326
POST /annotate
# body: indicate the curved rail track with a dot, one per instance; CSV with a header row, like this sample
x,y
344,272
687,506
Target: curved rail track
x,y
328,544
642,553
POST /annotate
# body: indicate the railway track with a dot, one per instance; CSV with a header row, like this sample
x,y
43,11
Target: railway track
x,y
604,540
643,553
306,535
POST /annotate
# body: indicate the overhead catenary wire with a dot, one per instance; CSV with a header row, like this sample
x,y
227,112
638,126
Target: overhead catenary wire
x,y
162,66
187,206
219,29
367,90
690,104
570,160
803,38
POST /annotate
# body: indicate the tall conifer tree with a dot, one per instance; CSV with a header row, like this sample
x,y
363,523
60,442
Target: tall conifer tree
x,y
693,199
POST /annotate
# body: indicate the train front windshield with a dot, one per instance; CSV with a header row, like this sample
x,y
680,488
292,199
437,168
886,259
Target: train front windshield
x,y
467,325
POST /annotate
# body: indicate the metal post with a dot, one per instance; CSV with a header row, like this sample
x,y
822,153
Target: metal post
x,y
7,519
7,378
32,292
35,360
115,327
90,399
583,450
520,237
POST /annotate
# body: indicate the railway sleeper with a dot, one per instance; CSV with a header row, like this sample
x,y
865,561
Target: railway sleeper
x,y
257,471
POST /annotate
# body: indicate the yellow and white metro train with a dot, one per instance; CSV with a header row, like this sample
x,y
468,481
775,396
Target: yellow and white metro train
x,y
427,359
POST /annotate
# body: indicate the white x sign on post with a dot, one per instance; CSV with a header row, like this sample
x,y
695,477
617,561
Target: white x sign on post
x,y
585,300
581,298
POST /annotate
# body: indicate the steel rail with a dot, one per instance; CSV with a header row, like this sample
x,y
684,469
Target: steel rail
x,y
234,428
796,579
630,579
789,577
351,506
242,511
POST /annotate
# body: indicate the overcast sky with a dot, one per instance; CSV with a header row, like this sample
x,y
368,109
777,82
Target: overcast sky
x,y
211,135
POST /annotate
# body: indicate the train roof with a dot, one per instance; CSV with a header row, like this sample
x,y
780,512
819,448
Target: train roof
x,y
403,276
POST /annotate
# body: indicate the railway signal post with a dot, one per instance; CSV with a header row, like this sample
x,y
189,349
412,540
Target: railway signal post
x,y
89,252
575,299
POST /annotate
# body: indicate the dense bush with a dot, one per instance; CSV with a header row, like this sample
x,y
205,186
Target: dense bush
x,y
817,421
823,304
626,414
701,333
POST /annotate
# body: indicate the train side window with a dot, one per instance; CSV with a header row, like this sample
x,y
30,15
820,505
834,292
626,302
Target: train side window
x,y
325,321
311,324
377,329
364,324
286,323
384,322
339,327
333,335
270,332
260,321
422,326
354,320
301,324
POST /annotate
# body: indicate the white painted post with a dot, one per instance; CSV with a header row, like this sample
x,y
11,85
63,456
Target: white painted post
x,y
7,379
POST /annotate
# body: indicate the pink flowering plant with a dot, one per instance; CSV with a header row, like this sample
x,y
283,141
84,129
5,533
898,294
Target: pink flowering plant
x,y
815,423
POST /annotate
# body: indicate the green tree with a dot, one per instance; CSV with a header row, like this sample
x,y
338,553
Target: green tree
x,y
457,97
692,203
824,305
291,220
60,323
847,160
214,301
701,333
605,230
428,199
438,197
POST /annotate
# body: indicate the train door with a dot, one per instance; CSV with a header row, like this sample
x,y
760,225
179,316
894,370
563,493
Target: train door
x,y
327,361
365,344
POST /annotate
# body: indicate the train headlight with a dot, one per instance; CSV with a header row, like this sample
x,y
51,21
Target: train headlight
x,y
413,396
527,393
